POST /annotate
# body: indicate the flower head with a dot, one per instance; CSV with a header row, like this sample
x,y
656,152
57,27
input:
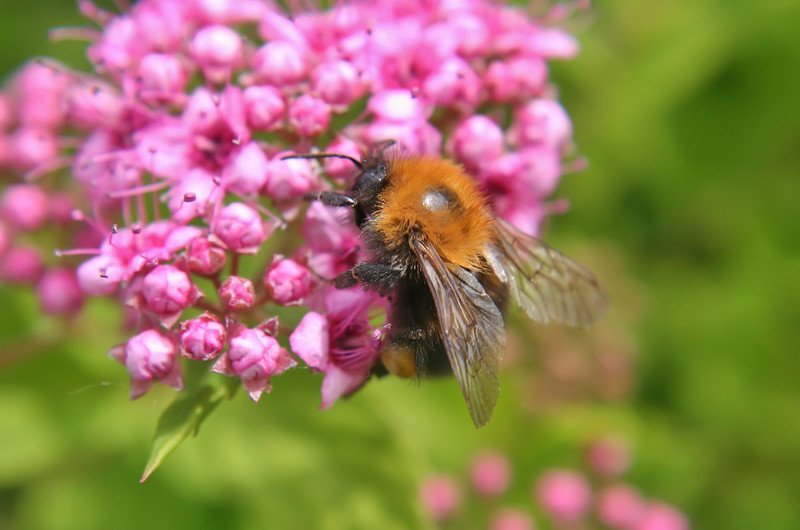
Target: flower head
x,y
164,168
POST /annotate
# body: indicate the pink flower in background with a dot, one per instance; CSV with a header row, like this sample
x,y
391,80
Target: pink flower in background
x,y
609,456
25,207
662,516
440,496
620,507
564,495
162,169
59,292
511,519
490,474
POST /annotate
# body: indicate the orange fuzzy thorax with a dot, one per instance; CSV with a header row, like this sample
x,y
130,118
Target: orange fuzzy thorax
x,y
458,233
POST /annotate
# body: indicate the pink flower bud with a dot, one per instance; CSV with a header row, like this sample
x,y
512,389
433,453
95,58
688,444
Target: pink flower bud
x,y
287,281
203,338
440,496
254,357
511,519
21,265
542,121
202,113
490,474
396,105
239,228
218,51
149,356
620,507
309,116
31,146
662,516
339,169
119,45
264,107
541,169
59,293
288,180
337,82
247,171
417,137
95,104
516,79
280,63
474,38
61,208
237,294
551,43
40,88
453,83
205,258
25,206
231,11
100,275
477,141
564,495
609,457
168,290
162,75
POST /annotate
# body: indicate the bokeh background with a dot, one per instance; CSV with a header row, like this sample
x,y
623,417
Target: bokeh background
x,y
689,115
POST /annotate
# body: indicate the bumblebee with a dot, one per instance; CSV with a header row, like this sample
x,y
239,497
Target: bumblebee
x,y
448,266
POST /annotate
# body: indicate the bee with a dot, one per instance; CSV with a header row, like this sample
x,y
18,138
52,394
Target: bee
x,y
448,266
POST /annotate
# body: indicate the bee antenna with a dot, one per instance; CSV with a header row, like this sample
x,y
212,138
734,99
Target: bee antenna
x,y
355,162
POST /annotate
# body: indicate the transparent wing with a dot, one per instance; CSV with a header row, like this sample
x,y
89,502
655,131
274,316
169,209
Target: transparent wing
x,y
473,331
545,283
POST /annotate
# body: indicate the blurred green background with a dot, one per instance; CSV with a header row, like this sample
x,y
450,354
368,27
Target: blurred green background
x,y
689,115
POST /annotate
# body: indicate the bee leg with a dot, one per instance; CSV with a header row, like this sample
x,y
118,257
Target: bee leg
x,y
332,198
372,275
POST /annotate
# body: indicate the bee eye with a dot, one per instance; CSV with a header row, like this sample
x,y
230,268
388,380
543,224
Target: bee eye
x,y
438,199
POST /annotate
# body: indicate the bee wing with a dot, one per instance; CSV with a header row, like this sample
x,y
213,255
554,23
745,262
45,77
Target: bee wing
x,y
545,283
472,327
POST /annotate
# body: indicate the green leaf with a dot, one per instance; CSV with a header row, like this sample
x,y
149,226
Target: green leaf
x,y
185,415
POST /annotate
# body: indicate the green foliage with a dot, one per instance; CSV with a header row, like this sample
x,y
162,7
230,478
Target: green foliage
x,y
688,114
202,394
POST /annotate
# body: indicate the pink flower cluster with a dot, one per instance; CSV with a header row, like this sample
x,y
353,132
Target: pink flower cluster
x,y
566,498
160,174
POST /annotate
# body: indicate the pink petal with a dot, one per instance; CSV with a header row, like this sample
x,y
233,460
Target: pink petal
x,y
139,388
255,387
310,340
223,366
338,383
